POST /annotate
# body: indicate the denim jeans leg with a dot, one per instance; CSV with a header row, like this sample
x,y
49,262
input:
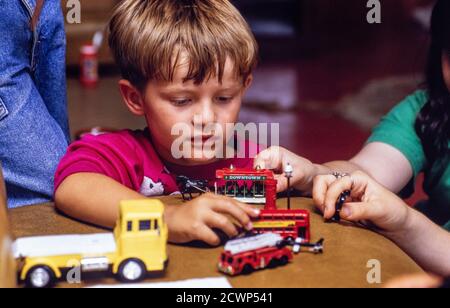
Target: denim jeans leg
x,y
31,139
50,62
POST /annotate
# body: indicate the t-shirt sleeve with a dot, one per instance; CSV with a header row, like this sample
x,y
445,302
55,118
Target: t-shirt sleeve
x,y
398,130
110,155
447,226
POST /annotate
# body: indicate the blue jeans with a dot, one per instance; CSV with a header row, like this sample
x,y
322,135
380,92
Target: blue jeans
x,y
34,130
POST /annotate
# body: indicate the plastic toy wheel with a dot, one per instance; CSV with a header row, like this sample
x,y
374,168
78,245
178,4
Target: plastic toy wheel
x,y
40,277
284,260
248,269
273,263
132,270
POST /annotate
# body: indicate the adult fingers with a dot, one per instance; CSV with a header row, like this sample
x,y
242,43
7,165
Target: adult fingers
x,y
320,189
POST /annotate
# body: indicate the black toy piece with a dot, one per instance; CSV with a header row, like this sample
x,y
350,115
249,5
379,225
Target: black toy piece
x,y
339,204
188,187
298,245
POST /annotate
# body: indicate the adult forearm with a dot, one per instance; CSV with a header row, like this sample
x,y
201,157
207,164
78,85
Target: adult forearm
x,y
427,243
306,185
342,166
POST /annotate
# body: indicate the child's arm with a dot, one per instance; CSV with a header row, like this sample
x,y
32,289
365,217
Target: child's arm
x,y
95,198
424,241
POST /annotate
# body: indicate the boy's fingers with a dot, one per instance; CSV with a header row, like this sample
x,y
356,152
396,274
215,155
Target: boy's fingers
x,y
222,223
259,162
250,210
237,211
320,189
205,234
269,159
281,183
262,159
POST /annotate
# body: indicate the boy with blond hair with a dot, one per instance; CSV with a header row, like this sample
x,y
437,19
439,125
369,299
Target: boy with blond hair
x,y
182,61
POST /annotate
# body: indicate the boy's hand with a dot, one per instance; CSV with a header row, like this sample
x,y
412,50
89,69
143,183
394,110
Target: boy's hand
x,y
369,201
277,158
196,219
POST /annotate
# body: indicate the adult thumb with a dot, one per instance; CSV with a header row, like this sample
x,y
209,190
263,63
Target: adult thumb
x,y
357,211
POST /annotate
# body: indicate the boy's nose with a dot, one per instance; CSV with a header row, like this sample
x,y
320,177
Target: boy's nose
x,y
205,115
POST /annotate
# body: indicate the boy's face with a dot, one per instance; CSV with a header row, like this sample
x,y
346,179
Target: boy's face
x,y
168,104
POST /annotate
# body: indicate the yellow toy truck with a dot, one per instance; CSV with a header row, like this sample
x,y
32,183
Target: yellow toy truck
x,y
137,246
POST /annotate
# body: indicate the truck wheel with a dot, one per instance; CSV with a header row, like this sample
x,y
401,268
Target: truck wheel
x,y
273,263
248,269
132,270
40,277
284,260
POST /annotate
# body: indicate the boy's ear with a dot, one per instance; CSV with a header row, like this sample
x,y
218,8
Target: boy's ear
x,y
132,97
248,82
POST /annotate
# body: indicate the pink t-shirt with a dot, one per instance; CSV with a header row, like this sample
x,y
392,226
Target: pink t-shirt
x,y
129,158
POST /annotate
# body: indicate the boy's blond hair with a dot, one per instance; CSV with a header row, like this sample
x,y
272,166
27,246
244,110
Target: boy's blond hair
x,y
149,38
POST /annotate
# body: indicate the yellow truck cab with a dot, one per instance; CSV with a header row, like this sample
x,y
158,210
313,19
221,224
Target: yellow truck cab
x,y
137,246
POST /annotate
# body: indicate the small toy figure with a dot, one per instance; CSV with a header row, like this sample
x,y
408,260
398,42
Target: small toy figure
x,y
137,246
339,204
188,187
288,170
246,255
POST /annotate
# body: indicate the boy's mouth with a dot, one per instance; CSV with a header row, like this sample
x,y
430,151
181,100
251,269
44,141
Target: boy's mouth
x,y
203,139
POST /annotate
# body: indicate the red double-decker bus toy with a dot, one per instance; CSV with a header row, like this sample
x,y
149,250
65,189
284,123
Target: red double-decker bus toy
x,y
289,224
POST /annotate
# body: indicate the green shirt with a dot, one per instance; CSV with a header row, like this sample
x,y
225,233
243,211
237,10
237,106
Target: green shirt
x,y
397,129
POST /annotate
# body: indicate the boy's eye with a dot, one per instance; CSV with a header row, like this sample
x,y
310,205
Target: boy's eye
x,y
181,102
224,99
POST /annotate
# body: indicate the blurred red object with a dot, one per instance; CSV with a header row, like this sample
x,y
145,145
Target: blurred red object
x,y
89,66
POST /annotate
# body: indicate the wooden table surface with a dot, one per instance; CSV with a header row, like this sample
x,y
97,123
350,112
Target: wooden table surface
x,y
7,272
348,249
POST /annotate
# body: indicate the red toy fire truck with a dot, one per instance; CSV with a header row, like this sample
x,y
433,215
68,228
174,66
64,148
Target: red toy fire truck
x,y
245,255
